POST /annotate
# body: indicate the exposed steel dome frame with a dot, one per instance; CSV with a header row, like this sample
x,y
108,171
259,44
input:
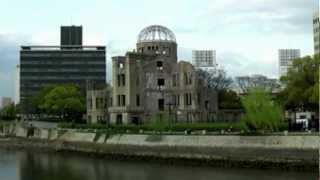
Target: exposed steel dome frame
x,y
156,33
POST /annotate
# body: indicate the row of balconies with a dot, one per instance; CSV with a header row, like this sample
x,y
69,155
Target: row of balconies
x,y
84,77
40,70
62,62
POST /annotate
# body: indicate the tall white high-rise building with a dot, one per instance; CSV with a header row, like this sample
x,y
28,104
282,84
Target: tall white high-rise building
x,y
17,85
316,32
204,58
286,56
5,101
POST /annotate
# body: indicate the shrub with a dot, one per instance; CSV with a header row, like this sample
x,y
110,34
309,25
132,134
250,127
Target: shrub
x,y
159,123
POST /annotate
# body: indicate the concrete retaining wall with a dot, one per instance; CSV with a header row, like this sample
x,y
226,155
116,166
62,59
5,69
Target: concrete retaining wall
x,y
21,132
277,150
296,142
77,137
283,142
8,130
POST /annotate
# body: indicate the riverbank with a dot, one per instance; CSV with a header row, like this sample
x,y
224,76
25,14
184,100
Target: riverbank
x,y
265,152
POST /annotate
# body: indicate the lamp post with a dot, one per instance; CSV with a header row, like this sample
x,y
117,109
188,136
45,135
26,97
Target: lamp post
x,y
170,112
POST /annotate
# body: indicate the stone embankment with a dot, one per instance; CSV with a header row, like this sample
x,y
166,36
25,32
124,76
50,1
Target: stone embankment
x,y
286,152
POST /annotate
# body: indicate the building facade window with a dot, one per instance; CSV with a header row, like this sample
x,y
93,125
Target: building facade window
x,y
159,65
121,65
123,77
138,100
161,83
176,100
123,100
121,80
119,100
185,78
99,103
175,80
188,99
119,119
206,105
188,78
161,104
90,103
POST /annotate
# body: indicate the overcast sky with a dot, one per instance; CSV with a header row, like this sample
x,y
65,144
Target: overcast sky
x,y
246,34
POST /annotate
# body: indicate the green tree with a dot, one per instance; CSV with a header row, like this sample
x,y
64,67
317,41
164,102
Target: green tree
x,y
229,99
261,112
65,101
39,97
8,113
32,104
302,85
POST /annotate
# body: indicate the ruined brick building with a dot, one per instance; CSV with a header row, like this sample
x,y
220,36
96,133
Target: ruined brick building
x,y
150,83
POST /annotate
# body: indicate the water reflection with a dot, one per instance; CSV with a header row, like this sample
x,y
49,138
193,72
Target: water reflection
x,y
49,166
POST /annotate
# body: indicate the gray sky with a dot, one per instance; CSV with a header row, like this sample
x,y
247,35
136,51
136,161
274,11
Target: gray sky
x,y
246,34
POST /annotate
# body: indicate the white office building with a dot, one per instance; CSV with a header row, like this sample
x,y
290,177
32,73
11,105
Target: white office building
x,y
204,58
17,85
286,57
316,32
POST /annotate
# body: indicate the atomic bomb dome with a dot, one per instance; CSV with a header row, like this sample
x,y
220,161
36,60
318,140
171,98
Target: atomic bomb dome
x,y
148,80
156,33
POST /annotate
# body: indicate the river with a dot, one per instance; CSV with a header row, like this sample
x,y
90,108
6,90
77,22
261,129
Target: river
x,y
22,165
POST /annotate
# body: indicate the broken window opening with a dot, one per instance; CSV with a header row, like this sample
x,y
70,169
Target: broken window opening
x,y
161,83
123,78
161,104
159,65
206,104
138,100
123,100
119,119
121,65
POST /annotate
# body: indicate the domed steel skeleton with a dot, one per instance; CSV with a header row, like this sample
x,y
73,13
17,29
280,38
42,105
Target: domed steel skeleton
x,y
156,33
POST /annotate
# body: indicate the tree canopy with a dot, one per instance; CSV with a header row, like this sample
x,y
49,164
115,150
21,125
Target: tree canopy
x,y
301,90
8,112
216,79
229,99
64,101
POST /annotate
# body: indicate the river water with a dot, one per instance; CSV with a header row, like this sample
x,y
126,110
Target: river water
x,y
22,165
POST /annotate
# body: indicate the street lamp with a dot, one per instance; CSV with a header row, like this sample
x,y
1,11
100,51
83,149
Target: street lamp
x,y
170,104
